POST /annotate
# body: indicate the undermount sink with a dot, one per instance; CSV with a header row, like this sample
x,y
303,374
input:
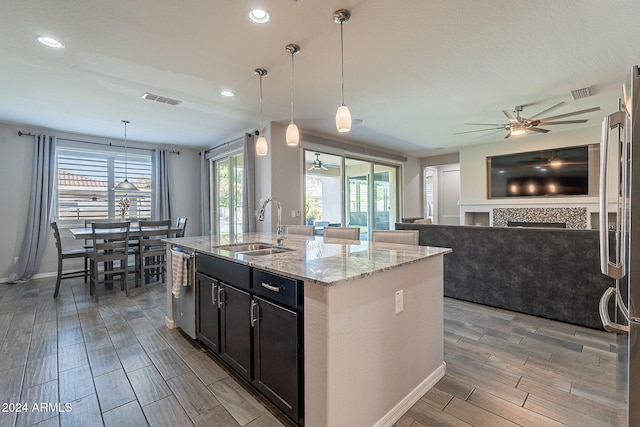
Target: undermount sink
x,y
254,249
266,251
244,247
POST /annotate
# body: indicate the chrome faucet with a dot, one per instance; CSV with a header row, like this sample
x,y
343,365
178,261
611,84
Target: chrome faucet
x,y
279,232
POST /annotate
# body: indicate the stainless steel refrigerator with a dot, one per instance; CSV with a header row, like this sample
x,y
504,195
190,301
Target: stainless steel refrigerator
x,y
620,234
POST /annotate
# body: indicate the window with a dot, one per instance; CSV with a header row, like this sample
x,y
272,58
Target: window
x,y
229,174
87,176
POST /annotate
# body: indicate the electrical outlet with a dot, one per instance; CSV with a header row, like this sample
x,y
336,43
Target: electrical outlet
x,y
399,301
15,260
293,213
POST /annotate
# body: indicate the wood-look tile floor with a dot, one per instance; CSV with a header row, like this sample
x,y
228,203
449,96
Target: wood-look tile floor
x,y
116,364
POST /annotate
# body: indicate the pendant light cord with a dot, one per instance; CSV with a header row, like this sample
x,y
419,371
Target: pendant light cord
x,y
125,150
342,59
292,79
261,103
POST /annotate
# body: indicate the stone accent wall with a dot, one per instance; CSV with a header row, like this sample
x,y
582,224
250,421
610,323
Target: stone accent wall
x,y
573,217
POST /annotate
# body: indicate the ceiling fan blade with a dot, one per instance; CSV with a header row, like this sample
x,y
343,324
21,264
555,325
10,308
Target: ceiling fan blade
x,y
535,129
560,104
510,116
564,122
478,130
487,124
487,134
508,135
588,110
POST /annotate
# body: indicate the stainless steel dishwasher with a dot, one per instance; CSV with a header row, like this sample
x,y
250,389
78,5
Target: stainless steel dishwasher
x,y
184,307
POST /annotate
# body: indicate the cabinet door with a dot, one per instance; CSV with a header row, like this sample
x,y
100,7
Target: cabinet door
x,y
235,316
208,324
277,355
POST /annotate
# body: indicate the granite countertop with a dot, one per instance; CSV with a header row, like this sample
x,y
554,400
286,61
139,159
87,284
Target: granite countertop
x,y
314,259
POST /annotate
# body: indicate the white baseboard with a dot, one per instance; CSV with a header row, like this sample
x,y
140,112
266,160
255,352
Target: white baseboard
x,y
35,276
409,400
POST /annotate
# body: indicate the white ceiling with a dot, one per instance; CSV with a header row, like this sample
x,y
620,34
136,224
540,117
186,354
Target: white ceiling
x,y
415,70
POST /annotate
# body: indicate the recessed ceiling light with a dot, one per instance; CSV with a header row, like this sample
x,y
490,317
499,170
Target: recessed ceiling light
x,y
48,41
259,16
228,93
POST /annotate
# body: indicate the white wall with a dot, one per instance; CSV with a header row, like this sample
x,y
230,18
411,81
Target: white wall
x,y
473,159
15,173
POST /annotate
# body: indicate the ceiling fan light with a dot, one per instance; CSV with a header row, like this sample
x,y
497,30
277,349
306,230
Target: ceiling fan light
x,y
343,119
262,148
518,130
293,135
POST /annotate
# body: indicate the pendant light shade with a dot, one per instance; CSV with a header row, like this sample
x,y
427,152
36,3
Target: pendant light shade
x,y
343,115
293,134
125,185
343,119
262,147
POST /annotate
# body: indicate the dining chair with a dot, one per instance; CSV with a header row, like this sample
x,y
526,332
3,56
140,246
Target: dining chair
x,y
68,254
152,255
303,230
110,245
407,237
350,233
181,224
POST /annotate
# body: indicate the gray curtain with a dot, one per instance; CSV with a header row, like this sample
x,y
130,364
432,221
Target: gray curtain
x,y
39,214
249,185
205,195
161,208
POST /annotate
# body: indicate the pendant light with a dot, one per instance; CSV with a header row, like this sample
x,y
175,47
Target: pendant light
x,y
262,148
293,134
125,185
343,115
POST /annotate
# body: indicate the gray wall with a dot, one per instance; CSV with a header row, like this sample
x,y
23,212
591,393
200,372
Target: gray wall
x,y
16,157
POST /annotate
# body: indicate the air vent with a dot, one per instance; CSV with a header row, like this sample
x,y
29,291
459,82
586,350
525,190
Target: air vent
x,y
161,99
585,92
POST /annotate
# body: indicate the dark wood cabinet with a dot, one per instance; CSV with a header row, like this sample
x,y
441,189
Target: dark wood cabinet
x,y
235,329
208,323
277,355
253,320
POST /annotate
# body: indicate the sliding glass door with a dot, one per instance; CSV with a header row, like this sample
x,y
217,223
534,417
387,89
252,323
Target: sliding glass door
x,y
350,192
372,195
228,175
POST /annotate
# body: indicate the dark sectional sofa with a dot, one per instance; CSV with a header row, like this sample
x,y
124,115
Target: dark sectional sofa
x,y
552,273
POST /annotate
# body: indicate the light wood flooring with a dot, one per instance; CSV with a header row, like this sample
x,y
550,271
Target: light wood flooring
x,y
116,364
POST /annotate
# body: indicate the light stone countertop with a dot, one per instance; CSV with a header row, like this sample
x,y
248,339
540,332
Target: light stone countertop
x,y
314,259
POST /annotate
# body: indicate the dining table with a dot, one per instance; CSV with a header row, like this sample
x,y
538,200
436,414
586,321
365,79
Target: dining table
x,y
86,233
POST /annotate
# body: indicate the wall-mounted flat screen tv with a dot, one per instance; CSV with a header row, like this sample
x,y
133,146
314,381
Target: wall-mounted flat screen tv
x,y
556,172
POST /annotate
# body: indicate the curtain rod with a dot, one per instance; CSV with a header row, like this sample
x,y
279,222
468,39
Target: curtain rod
x,y
207,151
20,133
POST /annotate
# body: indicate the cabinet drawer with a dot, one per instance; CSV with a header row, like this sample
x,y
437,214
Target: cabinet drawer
x,y
278,288
238,275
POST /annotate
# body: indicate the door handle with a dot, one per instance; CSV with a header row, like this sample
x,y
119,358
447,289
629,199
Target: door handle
x,y
254,312
609,268
220,296
608,325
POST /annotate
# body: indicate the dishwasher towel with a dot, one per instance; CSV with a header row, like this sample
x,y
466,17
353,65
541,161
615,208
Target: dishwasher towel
x,y
180,271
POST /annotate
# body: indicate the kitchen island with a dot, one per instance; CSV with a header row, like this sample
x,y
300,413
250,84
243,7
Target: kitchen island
x,y
373,320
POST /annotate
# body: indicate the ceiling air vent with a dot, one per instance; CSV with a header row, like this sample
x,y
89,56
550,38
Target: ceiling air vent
x,y
585,92
161,99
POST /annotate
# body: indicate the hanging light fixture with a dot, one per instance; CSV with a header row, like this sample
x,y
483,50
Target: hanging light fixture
x,y
293,134
343,115
262,148
125,185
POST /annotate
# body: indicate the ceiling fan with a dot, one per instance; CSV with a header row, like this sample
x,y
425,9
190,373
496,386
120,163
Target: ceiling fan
x,y
519,125
317,164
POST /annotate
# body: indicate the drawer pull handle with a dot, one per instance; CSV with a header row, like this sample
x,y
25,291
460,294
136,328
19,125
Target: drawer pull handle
x,y
271,287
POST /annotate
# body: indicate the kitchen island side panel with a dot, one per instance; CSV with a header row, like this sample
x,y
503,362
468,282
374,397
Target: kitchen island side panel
x,y
362,361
